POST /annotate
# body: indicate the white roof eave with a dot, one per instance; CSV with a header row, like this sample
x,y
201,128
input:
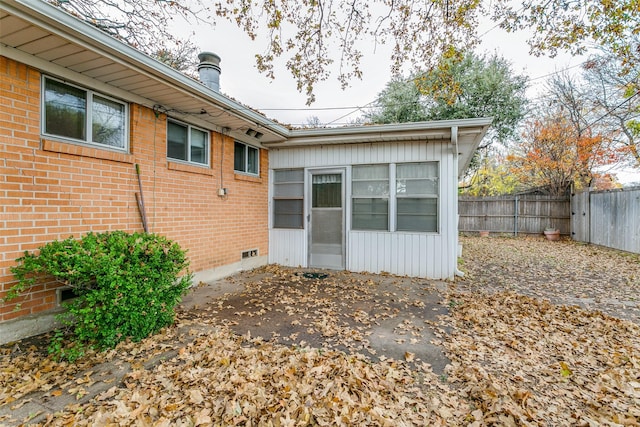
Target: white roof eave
x,y
431,130
64,25
61,23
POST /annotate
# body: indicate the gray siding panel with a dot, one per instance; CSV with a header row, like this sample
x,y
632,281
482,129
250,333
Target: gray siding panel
x,y
431,255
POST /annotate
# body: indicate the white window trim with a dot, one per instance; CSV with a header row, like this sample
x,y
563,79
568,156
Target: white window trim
x,y
189,127
388,197
274,198
393,202
88,118
246,159
395,197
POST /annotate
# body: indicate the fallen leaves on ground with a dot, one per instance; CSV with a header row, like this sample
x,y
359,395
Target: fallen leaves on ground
x,y
339,312
564,272
523,361
521,352
224,379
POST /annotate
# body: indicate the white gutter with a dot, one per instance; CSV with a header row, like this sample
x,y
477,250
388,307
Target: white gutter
x,y
454,142
443,125
382,133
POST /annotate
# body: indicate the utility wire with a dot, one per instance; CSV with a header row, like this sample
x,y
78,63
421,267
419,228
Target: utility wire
x,y
614,109
371,105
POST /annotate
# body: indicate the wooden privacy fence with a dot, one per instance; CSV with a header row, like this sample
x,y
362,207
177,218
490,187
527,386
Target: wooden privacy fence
x,y
607,218
516,214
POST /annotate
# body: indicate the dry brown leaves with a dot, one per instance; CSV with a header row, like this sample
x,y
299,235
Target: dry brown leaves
x,y
522,361
224,379
342,311
564,272
518,357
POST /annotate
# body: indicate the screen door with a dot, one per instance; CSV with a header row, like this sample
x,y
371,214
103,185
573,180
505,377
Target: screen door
x,y
326,220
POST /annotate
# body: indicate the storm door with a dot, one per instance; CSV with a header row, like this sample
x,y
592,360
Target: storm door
x,y
326,220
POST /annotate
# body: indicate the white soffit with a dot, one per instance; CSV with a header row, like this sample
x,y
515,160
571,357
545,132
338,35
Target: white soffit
x,y
45,37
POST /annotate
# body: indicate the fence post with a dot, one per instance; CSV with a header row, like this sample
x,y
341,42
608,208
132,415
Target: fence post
x,y
515,220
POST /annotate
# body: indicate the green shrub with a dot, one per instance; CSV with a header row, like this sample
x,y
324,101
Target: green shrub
x,y
127,286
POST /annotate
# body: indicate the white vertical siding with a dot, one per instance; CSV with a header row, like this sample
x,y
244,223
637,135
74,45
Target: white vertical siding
x,y
288,247
411,254
432,255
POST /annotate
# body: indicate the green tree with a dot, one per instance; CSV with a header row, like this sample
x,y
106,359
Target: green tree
x,y
477,86
312,35
399,102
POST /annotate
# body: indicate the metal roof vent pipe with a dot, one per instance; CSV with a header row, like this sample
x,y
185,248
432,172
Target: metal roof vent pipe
x,y
209,69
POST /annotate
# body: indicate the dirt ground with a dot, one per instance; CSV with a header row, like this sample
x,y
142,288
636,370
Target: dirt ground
x,y
536,333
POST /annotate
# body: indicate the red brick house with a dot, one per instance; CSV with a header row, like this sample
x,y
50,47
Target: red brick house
x,y
82,111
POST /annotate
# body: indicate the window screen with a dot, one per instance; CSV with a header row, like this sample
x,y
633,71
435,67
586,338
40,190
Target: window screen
x,y
288,198
184,142
370,197
417,197
246,158
177,141
327,191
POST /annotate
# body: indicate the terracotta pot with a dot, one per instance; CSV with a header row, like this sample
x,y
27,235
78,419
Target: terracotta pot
x,y
552,234
484,234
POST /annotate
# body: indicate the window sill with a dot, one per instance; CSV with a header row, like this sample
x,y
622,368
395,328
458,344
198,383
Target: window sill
x,y
85,151
433,233
202,170
248,178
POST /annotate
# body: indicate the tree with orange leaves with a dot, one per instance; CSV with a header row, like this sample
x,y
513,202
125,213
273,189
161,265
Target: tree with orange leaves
x,y
554,155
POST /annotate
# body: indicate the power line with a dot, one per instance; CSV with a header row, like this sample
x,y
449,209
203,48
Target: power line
x,y
614,109
370,105
557,72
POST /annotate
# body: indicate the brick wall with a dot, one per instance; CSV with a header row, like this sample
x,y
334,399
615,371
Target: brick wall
x,y
52,190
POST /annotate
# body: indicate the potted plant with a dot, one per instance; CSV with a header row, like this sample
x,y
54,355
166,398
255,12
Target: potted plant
x,y
552,233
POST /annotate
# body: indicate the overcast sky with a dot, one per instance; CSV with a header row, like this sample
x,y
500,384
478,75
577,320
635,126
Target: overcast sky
x,y
278,99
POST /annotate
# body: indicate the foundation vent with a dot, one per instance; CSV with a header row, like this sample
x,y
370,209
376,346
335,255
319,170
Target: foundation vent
x,y
250,253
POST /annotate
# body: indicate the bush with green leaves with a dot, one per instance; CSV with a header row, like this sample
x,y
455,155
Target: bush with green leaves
x,y
127,286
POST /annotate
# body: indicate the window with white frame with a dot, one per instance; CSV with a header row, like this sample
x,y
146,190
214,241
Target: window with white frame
x,y
370,197
187,143
417,191
288,198
246,158
83,115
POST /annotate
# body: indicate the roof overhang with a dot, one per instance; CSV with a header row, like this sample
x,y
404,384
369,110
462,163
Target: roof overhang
x,y
45,37
463,135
